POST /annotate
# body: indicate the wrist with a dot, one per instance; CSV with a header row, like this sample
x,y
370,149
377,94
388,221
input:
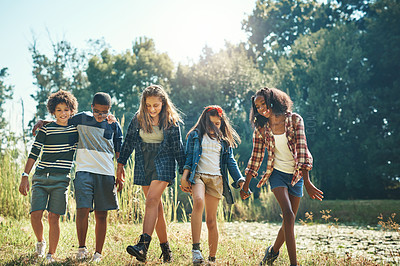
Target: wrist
x,y
24,175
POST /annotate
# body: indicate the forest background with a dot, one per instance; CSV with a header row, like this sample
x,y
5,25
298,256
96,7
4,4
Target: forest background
x,y
338,60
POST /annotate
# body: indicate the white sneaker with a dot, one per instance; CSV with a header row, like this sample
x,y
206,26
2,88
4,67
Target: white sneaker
x,y
96,257
49,258
41,249
197,258
82,253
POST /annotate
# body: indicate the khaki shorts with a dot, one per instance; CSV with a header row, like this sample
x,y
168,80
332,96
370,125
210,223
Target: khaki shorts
x,y
212,183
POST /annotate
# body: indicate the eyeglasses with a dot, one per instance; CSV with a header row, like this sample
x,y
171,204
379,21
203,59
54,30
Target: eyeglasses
x,y
96,113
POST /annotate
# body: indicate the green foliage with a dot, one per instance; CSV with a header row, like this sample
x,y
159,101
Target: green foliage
x,y
339,62
227,78
275,25
64,70
383,53
6,92
125,75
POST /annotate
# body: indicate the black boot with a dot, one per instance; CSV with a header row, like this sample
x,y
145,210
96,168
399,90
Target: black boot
x,y
166,252
140,249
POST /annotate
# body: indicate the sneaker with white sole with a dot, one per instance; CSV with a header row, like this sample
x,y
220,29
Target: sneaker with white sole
x,y
82,253
96,257
49,258
41,249
197,257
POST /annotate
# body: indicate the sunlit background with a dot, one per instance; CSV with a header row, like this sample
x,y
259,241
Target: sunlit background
x,y
178,27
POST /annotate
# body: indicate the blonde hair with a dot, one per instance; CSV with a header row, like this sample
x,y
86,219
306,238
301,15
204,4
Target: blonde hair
x,y
169,114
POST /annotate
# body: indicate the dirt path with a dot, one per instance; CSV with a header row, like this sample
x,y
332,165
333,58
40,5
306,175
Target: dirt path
x,y
378,245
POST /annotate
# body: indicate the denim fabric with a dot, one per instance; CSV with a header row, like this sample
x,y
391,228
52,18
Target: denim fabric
x,y
227,163
170,151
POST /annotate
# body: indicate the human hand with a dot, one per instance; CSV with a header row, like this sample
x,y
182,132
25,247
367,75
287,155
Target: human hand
x,y
24,186
240,184
313,191
244,194
120,184
185,185
120,177
111,119
39,124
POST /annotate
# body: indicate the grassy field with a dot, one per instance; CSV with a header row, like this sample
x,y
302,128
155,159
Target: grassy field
x,y
17,239
17,247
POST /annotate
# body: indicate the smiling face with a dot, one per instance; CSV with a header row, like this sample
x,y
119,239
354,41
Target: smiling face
x,y
100,111
154,106
261,106
62,113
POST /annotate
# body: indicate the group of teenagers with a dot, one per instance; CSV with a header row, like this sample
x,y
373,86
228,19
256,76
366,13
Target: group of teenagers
x,y
154,134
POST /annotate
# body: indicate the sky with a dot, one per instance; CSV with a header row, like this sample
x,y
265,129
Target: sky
x,y
180,28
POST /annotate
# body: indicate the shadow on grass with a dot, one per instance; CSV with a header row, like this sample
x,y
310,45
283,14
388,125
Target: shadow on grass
x,y
32,259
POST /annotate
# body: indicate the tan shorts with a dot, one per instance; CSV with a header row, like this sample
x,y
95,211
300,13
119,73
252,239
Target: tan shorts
x,y
212,183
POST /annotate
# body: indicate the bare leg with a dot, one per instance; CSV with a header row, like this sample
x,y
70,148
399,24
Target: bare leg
x,y
82,219
198,191
37,224
282,195
54,231
100,229
280,239
211,221
161,225
153,199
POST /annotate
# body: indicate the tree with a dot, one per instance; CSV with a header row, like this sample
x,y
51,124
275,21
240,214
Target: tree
x,y
125,75
227,78
275,25
381,45
65,70
6,93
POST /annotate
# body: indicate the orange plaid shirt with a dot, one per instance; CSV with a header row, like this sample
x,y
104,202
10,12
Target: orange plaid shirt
x,y
297,142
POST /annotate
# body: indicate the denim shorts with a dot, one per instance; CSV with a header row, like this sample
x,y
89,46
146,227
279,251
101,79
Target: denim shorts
x,y
95,191
50,192
281,179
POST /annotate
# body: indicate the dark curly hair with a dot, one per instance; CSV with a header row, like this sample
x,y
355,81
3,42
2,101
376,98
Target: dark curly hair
x,y
276,100
62,96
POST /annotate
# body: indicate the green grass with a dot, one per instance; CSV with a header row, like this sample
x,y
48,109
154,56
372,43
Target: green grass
x,y
17,243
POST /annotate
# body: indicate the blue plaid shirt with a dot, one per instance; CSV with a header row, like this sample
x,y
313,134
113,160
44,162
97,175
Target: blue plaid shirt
x,y
170,151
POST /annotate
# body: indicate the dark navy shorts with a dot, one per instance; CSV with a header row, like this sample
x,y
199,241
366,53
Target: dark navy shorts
x,y
95,191
281,179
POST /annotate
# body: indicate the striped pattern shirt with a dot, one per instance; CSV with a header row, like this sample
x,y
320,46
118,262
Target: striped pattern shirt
x,y
297,142
57,145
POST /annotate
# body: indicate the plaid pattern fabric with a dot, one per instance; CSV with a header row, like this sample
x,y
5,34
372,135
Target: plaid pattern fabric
x,y
297,142
170,151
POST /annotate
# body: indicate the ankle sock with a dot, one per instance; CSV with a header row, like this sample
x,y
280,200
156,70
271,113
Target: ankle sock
x,y
196,246
212,259
82,246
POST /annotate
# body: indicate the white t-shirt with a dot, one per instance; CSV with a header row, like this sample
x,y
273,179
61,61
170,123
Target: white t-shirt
x,y
210,156
283,160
